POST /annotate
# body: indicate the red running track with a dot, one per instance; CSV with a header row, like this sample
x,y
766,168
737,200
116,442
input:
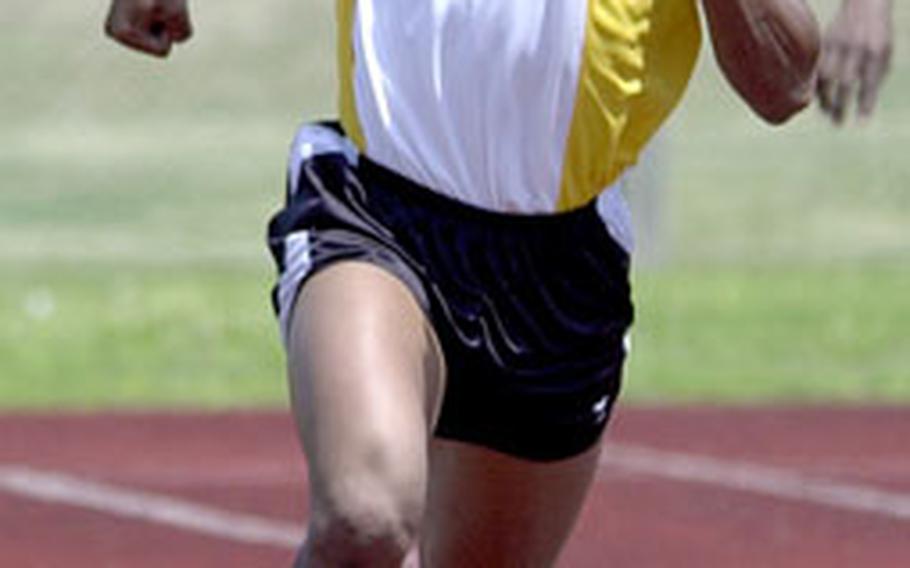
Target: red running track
x,y
680,487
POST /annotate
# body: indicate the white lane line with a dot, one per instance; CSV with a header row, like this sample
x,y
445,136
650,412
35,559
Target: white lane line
x,y
762,480
62,489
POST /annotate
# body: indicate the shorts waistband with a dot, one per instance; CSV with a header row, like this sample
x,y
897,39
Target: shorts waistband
x,y
417,193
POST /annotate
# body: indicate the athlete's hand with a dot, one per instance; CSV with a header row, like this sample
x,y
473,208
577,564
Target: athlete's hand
x,y
856,55
149,26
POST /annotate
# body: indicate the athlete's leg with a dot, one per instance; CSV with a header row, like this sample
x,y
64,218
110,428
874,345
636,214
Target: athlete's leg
x,y
489,509
366,379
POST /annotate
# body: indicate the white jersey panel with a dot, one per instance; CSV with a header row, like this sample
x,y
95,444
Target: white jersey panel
x,y
473,98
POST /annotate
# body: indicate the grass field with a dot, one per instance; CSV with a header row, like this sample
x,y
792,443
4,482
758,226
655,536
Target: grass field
x,y
133,196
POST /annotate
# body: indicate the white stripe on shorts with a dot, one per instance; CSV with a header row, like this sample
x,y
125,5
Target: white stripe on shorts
x,y
297,264
313,140
614,211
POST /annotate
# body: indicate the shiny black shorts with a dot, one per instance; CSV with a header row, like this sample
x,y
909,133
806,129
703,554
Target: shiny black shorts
x,y
531,310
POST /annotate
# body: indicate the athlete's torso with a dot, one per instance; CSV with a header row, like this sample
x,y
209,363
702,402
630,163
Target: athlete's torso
x,y
513,105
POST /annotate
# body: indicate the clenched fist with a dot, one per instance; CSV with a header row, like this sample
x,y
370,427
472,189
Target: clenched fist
x,y
149,26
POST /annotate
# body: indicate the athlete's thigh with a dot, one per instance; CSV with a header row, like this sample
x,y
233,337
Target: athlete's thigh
x,y
365,381
489,509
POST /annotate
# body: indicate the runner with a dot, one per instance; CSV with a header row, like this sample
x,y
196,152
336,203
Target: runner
x,y
454,254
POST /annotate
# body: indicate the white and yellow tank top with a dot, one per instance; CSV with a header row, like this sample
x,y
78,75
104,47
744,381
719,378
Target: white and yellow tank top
x,y
525,106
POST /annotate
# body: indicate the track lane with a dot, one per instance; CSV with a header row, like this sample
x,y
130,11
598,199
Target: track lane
x,y
643,509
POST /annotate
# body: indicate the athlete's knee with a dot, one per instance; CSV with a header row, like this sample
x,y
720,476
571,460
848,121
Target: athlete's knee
x,y
369,527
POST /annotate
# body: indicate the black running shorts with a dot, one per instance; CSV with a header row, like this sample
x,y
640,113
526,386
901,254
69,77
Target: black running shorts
x,y
531,310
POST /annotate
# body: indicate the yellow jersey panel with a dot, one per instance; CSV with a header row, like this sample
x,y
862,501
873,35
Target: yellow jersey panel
x,y
346,105
525,106
639,56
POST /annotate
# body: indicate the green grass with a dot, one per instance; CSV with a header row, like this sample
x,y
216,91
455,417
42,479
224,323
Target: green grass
x,y
99,335
834,332
94,335
134,192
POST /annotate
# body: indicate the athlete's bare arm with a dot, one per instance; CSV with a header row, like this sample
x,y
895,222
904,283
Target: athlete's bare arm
x,y
856,55
768,50
149,26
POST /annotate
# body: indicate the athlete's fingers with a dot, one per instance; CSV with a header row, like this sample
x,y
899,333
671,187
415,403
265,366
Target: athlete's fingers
x,y
153,40
874,69
826,82
179,26
847,79
150,26
857,49
139,28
